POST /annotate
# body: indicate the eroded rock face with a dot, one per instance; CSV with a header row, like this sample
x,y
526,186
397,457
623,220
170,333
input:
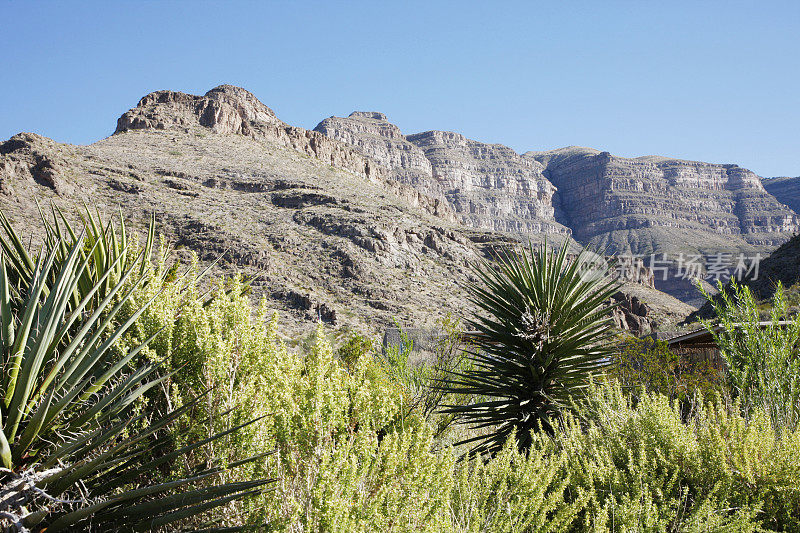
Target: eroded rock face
x,y
489,186
373,135
654,203
786,190
232,110
631,314
29,157
228,182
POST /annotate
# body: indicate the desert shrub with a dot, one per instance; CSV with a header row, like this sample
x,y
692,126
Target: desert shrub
x,y
763,359
645,469
356,448
648,365
354,347
515,491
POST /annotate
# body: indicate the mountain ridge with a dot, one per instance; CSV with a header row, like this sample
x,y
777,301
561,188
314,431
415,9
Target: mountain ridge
x,y
341,237
591,194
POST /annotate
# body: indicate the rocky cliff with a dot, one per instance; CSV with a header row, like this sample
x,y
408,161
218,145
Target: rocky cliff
x,y
374,136
786,190
656,204
489,186
638,206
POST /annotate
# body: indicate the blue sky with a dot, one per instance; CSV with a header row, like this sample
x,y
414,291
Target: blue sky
x,y
712,81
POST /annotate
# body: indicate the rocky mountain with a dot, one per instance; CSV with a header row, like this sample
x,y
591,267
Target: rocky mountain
x,y
657,204
786,190
330,233
644,205
489,186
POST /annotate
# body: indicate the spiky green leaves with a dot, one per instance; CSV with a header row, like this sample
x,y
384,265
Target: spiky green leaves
x,y
543,329
74,454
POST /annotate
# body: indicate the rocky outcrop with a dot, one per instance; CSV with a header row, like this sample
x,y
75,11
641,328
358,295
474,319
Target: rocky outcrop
x,y
786,190
631,314
489,186
232,110
659,204
25,156
228,183
639,206
374,136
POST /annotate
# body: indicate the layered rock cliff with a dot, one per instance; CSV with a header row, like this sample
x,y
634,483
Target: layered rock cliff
x,y
640,206
489,186
374,136
786,190
656,204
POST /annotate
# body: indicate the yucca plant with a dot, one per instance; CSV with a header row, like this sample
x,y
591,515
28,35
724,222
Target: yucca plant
x,y
543,328
75,455
106,250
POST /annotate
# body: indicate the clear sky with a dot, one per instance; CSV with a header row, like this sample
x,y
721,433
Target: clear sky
x,y
712,81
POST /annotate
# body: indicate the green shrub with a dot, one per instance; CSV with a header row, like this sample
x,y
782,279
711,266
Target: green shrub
x,y
645,364
645,469
763,359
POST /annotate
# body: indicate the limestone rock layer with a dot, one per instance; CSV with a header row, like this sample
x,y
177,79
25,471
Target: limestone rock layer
x,y
489,186
643,205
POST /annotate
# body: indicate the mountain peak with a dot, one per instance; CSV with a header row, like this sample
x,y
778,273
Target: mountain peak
x,y
224,109
374,115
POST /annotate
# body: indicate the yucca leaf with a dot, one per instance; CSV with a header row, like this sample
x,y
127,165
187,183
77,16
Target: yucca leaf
x,y
5,448
542,330
32,428
161,521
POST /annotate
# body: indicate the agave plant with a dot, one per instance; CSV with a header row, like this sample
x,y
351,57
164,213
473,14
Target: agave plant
x,y
75,455
543,330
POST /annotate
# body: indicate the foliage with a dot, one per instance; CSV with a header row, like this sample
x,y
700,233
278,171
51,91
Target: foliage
x,y
354,347
646,469
358,442
355,450
545,327
645,364
74,456
515,491
763,359
107,252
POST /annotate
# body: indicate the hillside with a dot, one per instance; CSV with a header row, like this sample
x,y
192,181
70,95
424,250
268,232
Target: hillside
x,y
786,190
327,232
782,265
